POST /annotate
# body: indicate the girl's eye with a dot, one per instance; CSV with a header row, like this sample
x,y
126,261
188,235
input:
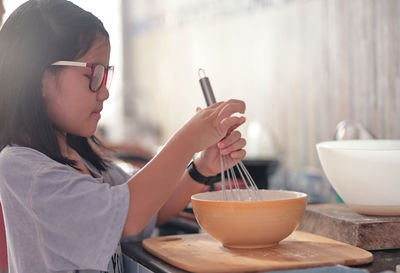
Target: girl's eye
x,y
87,76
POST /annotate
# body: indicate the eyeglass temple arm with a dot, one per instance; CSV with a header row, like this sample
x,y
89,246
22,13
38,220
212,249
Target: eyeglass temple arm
x,y
80,64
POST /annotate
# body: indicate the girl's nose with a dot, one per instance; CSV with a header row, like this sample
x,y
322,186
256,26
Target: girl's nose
x,y
103,93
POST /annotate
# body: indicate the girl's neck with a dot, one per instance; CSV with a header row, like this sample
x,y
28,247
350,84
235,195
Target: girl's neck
x,y
71,154
62,143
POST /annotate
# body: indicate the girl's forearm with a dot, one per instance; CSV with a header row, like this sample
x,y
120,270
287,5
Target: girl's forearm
x,y
179,199
154,184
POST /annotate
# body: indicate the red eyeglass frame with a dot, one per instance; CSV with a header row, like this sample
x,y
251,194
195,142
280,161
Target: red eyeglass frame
x,y
92,67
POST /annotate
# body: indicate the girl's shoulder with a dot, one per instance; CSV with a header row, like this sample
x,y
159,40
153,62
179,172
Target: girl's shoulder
x,y
22,153
22,167
18,161
17,157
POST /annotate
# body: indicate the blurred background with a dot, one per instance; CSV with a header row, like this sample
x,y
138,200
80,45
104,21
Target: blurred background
x,y
302,66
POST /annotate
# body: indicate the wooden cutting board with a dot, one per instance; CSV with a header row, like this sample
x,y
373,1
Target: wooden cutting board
x,y
201,253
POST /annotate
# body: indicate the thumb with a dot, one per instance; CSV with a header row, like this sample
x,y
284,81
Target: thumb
x,y
198,109
243,120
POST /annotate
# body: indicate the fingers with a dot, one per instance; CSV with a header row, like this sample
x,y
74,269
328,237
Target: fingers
x,y
229,108
229,139
238,154
231,122
216,105
235,126
213,106
233,145
216,122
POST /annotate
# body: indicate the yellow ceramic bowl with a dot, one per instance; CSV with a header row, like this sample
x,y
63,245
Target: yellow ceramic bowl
x,y
250,224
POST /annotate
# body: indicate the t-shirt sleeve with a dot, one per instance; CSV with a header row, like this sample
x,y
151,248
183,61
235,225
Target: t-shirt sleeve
x,y
79,221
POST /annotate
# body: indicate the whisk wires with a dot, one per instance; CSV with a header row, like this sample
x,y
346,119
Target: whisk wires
x,y
231,190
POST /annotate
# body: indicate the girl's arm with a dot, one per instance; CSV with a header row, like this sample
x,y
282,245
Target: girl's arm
x,y
208,164
179,199
154,184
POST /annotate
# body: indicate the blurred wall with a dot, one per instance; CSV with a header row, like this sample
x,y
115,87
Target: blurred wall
x,y
302,66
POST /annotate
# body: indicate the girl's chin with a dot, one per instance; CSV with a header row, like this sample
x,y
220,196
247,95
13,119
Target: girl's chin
x,y
86,133
86,129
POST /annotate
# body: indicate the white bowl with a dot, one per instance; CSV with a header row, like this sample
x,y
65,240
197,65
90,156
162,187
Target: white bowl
x,y
365,173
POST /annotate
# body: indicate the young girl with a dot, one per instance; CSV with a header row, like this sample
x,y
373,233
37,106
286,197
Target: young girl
x,y
65,207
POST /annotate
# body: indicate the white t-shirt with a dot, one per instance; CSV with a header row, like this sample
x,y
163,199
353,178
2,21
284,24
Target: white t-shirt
x,y
59,220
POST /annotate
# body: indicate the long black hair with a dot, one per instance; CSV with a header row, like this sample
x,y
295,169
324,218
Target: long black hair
x,y
37,34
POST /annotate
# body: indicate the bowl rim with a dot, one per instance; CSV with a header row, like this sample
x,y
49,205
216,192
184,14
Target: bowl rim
x,y
341,144
298,195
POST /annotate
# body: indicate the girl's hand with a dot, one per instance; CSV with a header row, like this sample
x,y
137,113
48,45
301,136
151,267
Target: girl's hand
x,y
211,125
208,163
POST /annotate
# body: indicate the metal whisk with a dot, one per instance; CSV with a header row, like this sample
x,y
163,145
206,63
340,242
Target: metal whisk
x,y
230,184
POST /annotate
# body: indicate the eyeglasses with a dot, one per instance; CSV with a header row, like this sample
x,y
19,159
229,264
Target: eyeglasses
x,y
100,73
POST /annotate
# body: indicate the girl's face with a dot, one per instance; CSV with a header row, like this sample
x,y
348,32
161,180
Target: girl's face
x,y
71,105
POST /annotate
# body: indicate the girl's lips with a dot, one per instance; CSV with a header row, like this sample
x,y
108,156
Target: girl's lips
x,y
97,115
